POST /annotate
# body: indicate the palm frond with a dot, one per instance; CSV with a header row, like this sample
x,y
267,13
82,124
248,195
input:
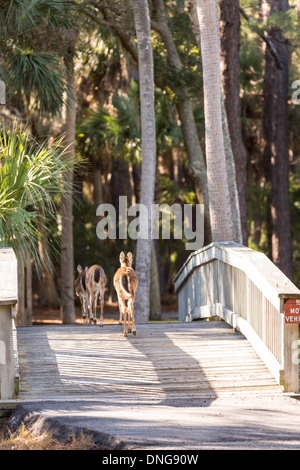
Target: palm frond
x,y
21,16
41,76
31,174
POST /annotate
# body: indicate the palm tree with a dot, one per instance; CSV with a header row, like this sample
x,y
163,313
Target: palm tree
x,y
146,82
31,176
229,156
220,213
32,66
67,249
230,65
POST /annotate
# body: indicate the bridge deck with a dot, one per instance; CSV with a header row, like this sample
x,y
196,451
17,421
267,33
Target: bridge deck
x,y
163,361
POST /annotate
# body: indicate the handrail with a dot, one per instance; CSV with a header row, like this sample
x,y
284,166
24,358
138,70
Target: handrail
x,y
8,300
244,288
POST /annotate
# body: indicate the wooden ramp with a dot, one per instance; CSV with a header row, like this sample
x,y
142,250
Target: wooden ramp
x,y
163,361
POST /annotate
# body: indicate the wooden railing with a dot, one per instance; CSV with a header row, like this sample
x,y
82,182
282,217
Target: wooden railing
x,y
244,288
8,301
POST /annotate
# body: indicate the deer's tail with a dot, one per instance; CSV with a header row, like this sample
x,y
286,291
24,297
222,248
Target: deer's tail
x,y
124,284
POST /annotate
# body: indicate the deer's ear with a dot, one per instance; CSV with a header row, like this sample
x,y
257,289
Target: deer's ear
x,y
79,268
129,258
122,256
86,268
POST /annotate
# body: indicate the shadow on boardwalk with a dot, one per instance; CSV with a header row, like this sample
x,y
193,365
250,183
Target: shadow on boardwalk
x,y
88,361
157,390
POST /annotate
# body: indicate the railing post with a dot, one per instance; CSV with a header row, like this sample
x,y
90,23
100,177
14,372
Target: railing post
x,y
290,374
8,300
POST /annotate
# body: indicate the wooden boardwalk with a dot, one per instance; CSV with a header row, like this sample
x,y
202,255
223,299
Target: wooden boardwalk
x,y
163,361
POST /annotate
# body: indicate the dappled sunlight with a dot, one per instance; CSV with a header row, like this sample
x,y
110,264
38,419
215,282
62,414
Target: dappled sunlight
x,y
164,362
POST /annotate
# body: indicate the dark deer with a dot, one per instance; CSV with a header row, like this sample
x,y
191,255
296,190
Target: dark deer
x,y
95,284
81,291
125,283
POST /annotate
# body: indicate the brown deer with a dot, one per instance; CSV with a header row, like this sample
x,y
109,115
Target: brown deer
x,y
81,291
125,283
95,284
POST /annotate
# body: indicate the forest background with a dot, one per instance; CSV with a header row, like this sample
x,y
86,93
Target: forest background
x,y
85,51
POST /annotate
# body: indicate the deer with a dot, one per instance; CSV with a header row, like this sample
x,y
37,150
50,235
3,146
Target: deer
x,y
81,291
95,284
125,282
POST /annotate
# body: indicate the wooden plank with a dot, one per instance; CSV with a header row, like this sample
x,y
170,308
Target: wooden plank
x,y
164,360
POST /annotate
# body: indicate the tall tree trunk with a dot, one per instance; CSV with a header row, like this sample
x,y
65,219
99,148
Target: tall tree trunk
x,y
230,65
24,307
97,184
231,179
220,212
298,14
155,302
275,125
67,251
230,163
146,84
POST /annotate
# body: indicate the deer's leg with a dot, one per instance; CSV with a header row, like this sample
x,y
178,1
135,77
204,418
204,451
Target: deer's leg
x,y
131,314
95,307
89,309
83,308
125,320
121,309
128,315
101,309
87,314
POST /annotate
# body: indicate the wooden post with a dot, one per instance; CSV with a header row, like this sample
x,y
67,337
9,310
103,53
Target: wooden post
x,y
290,375
8,300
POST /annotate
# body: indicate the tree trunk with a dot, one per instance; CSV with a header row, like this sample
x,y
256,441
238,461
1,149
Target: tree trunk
x,y
230,163
67,254
155,301
231,178
220,213
298,14
146,85
230,65
276,132
24,307
97,184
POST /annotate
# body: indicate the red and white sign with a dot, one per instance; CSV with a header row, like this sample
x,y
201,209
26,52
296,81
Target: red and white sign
x,y
292,311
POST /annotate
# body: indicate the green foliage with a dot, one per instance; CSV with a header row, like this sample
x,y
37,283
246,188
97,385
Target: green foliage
x,y
91,133
168,131
35,36
101,134
31,176
18,16
40,76
251,60
124,129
